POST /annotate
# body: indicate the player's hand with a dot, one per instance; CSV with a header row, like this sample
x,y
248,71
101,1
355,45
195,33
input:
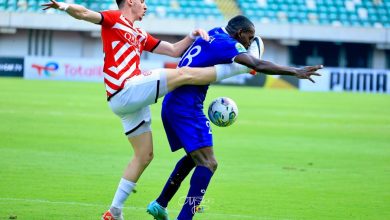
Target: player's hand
x,y
201,33
308,71
54,4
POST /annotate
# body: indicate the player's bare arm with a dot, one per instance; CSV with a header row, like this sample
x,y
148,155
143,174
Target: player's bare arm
x,y
270,68
177,49
76,11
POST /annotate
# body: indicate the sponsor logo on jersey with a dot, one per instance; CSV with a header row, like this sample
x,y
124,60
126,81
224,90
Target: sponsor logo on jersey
x,y
240,48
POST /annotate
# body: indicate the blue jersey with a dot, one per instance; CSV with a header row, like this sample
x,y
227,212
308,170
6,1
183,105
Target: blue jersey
x,y
220,49
184,122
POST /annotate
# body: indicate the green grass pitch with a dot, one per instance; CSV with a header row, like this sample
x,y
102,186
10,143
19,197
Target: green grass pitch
x,y
290,155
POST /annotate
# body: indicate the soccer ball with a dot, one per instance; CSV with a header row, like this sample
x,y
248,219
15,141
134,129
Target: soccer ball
x,y
223,111
256,48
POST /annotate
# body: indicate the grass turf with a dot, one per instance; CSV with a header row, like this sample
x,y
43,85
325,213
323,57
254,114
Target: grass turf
x,y
290,155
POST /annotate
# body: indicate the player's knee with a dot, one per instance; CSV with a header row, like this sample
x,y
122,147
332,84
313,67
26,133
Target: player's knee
x,y
145,159
149,158
211,164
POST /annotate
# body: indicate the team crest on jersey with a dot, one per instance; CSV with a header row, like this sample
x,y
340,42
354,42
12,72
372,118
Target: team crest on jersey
x,y
240,48
147,73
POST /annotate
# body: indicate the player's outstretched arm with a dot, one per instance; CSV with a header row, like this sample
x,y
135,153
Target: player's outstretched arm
x,y
270,68
177,49
76,11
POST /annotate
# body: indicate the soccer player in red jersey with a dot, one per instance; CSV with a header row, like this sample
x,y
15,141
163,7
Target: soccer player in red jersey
x,y
129,91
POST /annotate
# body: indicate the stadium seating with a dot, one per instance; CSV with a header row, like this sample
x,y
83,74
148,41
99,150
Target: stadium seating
x,y
365,13
355,13
193,9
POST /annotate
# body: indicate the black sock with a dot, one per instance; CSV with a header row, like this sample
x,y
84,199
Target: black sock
x,y
199,183
182,169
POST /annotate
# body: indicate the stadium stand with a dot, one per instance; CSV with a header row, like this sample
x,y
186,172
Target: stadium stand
x,y
192,9
228,8
355,13
364,13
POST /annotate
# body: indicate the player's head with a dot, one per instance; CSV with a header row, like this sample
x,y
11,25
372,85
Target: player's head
x,y
242,29
137,7
120,3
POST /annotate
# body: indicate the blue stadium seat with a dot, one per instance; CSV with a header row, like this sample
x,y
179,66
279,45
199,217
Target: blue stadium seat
x,y
327,12
324,12
192,9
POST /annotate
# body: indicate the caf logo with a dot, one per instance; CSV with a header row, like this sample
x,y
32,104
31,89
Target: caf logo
x,y
147,73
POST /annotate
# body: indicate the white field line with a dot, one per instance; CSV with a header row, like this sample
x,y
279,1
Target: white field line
x,y
143,209
246,122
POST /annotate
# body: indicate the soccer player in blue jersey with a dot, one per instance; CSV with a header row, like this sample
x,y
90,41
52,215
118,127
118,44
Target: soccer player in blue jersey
x,y
186,125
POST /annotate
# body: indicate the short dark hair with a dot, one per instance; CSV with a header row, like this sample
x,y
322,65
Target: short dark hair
x,y
119,3
239,22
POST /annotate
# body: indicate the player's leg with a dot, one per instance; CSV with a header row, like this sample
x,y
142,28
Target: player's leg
x,y
206,165
179,173
158,207
179,130
201,76
191,133
140,137
145,89
143,154
173,123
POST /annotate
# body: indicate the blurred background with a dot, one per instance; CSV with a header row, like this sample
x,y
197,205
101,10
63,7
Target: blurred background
x,y
338,33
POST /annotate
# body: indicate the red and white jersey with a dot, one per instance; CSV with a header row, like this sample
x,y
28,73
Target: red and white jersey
x,y
122,46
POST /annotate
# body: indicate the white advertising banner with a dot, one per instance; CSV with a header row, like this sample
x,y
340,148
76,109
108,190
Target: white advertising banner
x,y
63,69
349,80
81,69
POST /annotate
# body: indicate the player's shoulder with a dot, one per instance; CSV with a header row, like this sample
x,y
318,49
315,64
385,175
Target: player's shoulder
x,y
111,13
216,30
220,33
226,41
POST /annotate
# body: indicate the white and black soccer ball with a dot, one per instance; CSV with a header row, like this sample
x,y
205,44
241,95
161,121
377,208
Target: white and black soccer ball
x,y
256,48
223,111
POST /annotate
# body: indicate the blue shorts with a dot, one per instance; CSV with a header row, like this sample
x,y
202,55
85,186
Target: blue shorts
x,y
190,133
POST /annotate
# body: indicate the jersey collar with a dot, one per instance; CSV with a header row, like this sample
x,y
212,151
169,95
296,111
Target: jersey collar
x,y
224,30
124,19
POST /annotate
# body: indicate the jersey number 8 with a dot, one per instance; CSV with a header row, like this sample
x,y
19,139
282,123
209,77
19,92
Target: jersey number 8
x,y
193,52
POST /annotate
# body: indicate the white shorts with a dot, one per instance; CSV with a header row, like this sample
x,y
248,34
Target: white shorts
x,y
131,104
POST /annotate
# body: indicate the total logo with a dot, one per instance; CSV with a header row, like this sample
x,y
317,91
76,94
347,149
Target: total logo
x,y
48,70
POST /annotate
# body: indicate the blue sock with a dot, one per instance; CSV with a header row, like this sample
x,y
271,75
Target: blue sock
x,y
198,186
182,169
